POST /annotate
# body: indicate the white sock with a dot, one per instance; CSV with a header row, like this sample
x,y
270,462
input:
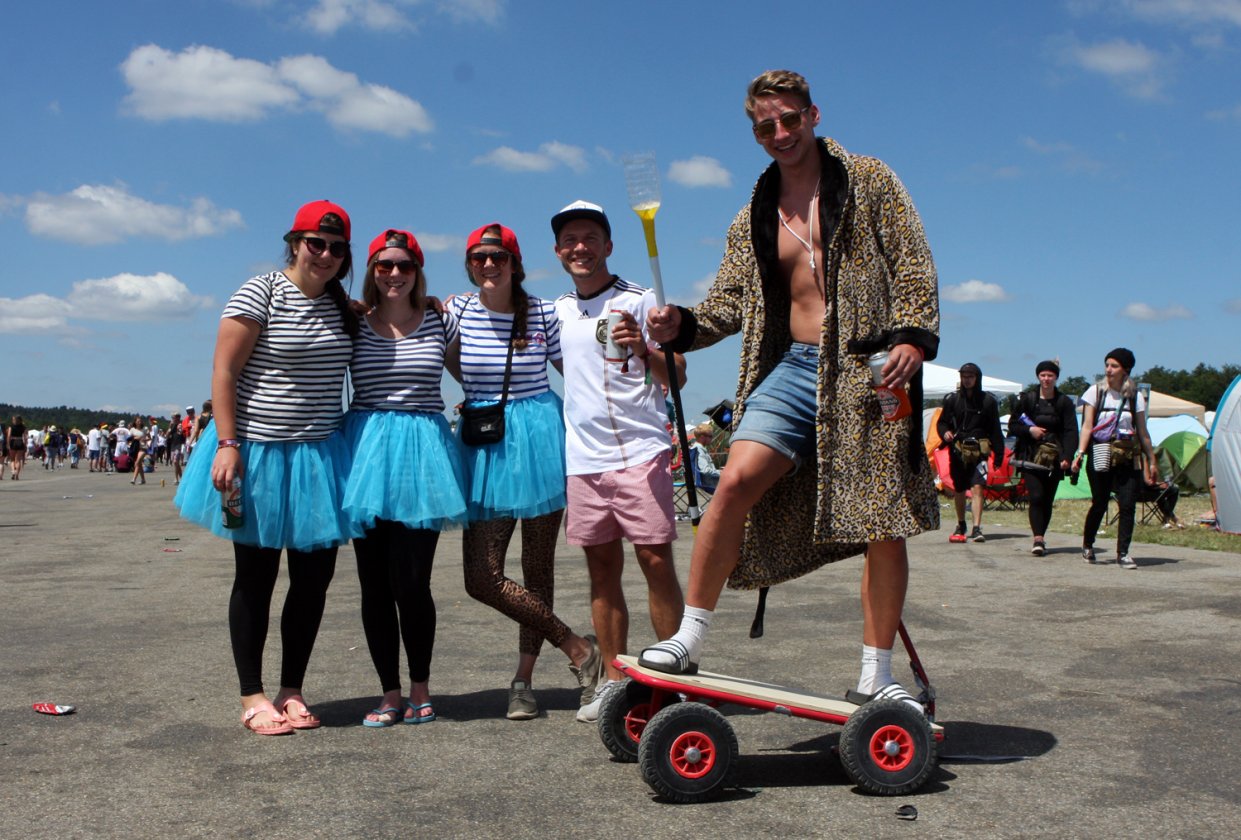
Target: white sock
x,y
876,669
693,633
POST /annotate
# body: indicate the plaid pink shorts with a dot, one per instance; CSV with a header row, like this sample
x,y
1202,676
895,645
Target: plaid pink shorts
x,y
634,503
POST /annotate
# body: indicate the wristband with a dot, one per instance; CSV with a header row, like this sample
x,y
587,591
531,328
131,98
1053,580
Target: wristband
x,y
228,443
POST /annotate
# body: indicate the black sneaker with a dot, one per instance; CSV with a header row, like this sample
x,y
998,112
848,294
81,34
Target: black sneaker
x,y
976,535
1088,555
1039,549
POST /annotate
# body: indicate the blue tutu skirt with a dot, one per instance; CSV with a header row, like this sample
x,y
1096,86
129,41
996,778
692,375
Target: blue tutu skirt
x,y
291,492
407,468
522,476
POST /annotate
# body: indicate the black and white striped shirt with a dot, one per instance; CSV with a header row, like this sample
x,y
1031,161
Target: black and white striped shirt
x,y
401,374
484,348
290,388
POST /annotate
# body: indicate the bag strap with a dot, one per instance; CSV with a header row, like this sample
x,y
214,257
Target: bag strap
x,y
508,362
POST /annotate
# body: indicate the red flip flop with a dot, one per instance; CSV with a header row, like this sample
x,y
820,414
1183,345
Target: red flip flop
x,y
53,709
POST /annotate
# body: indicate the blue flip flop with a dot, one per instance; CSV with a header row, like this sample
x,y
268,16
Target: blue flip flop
x,y
417,718
379,724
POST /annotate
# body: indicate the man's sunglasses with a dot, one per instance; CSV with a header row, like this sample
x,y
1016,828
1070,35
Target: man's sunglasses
x,y
791,120
317,246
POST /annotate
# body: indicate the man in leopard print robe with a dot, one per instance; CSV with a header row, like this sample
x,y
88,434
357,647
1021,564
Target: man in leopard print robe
x,y
860,279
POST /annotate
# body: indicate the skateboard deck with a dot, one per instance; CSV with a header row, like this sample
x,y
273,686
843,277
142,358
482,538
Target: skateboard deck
x,y
728,689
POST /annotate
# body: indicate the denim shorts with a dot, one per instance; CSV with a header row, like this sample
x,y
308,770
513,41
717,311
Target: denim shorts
x,y
781,411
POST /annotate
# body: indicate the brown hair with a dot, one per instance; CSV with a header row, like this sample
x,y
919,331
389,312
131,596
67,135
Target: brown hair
x,y
521,301
334,287
370,291
774,83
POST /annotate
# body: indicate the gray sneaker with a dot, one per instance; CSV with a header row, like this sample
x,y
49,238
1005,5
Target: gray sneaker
x,y
1127,562
521,705
589,673
589,713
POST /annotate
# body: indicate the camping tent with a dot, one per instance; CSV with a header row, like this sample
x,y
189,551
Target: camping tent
x,y
939,381
1182,457
1226,458
1162,405
1161,428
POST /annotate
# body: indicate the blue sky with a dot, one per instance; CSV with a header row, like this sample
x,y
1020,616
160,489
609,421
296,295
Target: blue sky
x,y
1075,163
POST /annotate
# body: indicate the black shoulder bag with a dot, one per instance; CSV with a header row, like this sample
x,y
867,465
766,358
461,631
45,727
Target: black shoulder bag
x,y
483,425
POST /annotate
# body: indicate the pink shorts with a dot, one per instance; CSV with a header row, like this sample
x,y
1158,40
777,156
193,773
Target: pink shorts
x,y
634,503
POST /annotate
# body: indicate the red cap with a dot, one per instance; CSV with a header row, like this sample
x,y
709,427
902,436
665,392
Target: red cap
x,y
393,238
310,219
507,239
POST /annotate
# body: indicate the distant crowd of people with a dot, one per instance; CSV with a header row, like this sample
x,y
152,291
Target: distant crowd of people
x,y
132,448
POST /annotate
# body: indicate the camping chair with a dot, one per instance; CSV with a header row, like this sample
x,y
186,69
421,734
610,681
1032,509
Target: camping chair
x,y
1005,490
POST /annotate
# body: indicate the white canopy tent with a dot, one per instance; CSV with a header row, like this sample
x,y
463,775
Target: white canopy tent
x,y
939,381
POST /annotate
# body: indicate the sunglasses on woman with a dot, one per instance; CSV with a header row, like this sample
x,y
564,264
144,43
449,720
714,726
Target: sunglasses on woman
x,y
479,258
316,246
791,120
389,266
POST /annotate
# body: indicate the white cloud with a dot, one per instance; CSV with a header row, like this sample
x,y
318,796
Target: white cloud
x,y
1233,113
328,16
134,297
95,214
699,171
548,157
1133,67
1145,312
210,84
1070,157
700,287
436,243
474,11
201,83
1233,306
32,315
348,103
974,291
1186,11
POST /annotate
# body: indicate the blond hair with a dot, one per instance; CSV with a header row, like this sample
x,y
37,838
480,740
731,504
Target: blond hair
x,y
774,83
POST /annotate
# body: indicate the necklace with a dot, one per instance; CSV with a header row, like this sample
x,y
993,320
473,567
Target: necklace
x,y
808,245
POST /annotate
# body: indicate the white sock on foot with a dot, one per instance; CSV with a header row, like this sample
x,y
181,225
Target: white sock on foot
x,y
876,669
694,625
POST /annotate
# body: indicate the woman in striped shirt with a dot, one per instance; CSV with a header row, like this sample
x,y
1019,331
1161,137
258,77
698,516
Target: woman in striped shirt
x,y
283,347
522,476
407,482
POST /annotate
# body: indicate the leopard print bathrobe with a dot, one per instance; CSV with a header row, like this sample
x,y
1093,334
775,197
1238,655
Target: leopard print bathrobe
x,y
881,290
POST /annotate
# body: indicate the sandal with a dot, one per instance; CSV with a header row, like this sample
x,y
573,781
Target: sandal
x,y
305,719
280,727
391,717
417,716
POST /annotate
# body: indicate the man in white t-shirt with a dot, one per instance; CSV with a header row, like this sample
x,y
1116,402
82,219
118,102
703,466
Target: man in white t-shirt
x,y
93,438
617,448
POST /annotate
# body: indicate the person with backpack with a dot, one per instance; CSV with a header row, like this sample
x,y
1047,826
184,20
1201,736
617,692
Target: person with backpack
x,y
1113,431
1045,426
969,425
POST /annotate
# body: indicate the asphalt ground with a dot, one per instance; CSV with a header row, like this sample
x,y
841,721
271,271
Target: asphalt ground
x,y
1077,700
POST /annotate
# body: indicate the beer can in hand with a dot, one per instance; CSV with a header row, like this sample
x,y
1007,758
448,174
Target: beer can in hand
x,y
894,403
231,503
613,352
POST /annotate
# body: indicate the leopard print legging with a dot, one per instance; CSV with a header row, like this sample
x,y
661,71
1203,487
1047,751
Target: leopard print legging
x,y
484,546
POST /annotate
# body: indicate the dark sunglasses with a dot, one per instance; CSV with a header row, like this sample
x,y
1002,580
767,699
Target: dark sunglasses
x,y
389,266
480,258
316,246
791,120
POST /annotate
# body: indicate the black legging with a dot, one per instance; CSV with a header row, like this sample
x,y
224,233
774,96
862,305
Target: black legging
x,y
394,570
1122,481
1040,493
249,608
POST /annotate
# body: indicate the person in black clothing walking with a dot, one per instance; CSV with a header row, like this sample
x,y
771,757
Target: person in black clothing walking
x,y
969,426
1045,426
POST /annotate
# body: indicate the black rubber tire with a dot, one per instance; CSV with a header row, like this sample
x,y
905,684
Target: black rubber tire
x,y
688,752
888,748
623,717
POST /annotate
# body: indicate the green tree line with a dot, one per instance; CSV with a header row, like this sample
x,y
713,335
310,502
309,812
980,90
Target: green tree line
x,y
1204,385
67,417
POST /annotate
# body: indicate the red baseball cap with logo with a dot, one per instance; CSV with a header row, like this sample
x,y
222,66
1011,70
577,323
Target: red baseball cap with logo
x,y
506,240
393,238
311,219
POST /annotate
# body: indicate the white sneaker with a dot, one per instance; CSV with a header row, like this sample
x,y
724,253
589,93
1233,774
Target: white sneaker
x,y
1127,562
589,713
